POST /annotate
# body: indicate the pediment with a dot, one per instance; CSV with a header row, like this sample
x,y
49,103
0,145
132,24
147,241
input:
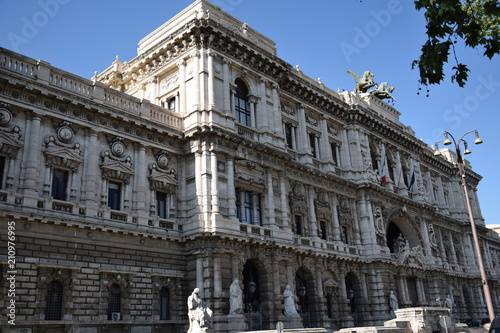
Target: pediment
x,y
9,142
166,180
63,156
117,168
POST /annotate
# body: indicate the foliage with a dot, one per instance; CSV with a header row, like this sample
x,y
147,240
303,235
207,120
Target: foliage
x,y
476,22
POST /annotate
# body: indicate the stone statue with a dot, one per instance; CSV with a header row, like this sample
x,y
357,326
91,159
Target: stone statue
x,y
393,302
383,91
236,298
363,83
448,302
289,299
200,316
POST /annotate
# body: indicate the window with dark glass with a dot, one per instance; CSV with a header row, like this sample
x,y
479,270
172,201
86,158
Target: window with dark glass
x,y
345,234
312,143
164,304
289,136
3,161
391,170
241,104
373,157
114,302
335,157
59,184
171,104
162,205
323,230
53,301
114,195
248,207
298,224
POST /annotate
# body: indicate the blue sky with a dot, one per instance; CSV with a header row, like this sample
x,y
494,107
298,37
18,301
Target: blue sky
x,y
326,38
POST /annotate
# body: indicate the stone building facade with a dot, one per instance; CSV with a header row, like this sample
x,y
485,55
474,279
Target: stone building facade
x,y
208,159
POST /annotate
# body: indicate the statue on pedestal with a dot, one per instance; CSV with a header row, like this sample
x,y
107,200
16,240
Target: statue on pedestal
x,y
289,300
236,298
393,302
200,316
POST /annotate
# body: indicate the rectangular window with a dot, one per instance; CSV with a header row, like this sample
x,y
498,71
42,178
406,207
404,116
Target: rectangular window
x,y
322,230
248,207
298,225
162,205
59,184
114,195
289,136
345,234
171,104
3,161
335,157
312,143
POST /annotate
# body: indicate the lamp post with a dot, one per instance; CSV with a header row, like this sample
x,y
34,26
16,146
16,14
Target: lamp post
x,y
461,168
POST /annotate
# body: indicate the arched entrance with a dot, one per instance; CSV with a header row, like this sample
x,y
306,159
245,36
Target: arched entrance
x,y
251,296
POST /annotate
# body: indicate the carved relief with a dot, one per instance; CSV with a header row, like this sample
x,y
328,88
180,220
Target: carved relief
x,y
169,83
311,119
344,210
10,134
115,166
161,176
59,149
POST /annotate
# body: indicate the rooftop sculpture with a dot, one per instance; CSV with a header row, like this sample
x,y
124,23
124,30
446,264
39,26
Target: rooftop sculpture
x,y
365,82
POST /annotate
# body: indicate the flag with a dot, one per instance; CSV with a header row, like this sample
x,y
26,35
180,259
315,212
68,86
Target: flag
x,y
412,181
383,178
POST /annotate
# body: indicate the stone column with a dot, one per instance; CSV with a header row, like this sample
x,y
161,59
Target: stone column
x,y
199,273
243,218
182,86
421,292
303,143
365,221
214,182
214,186
182,188
285,214
270,198
336,222
217,276
235,271
275,120
263,115
196,81
345,157
355,155
452,248
11,172
319,282
255,211
226,63
211,78
198,160
231,191
276,276
140,187
313,222
253,119
32,161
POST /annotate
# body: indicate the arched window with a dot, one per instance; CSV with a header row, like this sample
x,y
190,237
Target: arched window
x,y
164,304
114,302
241,104
53,301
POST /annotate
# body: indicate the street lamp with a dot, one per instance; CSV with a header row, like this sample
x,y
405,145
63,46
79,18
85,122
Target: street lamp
x,y
461,169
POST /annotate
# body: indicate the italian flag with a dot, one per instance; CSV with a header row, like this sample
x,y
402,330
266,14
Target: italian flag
x,y
383,174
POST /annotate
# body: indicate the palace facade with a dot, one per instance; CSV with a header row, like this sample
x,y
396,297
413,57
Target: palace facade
x,y
207,159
